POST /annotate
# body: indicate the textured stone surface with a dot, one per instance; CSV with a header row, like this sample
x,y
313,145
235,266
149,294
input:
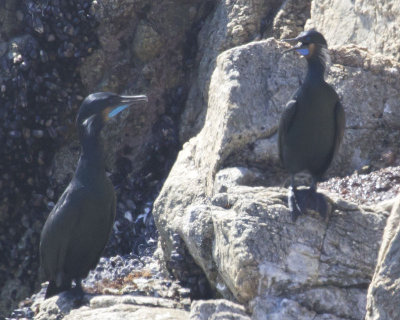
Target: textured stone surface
x,y
109,307
367,23
217,310
291,18
232,122
10,19
143,49
383,300
233,23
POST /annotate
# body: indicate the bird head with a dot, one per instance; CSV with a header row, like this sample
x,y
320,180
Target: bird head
x,y
310,44
98,108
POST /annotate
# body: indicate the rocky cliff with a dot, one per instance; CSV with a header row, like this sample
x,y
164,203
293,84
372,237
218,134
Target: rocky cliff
x,y
217,83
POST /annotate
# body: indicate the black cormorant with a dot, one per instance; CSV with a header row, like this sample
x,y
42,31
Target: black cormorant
x,y
78,227
312,125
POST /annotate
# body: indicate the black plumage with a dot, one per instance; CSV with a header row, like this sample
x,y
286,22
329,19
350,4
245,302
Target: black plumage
x,y
312,125
80,224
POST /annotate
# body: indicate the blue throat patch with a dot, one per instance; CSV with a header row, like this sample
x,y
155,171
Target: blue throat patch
x,y
117,110
303,51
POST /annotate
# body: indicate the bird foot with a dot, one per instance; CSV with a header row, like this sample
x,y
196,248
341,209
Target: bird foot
x,y
77,295
294,207
320,204
300,201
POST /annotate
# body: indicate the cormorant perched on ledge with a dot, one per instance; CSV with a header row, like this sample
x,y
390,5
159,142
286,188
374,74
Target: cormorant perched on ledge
x,y
311,127
80,224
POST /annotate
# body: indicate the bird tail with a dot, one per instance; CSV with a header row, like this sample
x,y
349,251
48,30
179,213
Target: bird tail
x,y
52,289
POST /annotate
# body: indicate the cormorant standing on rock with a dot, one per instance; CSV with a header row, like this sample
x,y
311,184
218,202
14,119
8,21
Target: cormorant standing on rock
x,y
80,224
311,127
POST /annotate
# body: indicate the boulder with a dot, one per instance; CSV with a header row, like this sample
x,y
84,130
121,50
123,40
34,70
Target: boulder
x,y
221,196
366,23
233,23
383,301
217,310
291,18
11,19
108,307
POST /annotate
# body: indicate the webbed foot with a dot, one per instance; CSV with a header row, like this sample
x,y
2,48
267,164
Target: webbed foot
x,y
300,201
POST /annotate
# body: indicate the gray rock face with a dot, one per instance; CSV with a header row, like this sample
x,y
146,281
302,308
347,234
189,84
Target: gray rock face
x,y
242,236
10,18
383,300
142,50
367,23
110,307
217,310
291,18
233,23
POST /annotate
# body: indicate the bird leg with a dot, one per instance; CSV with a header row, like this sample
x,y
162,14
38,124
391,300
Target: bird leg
x,y
53,289
292,203
320,205
313,186
77,292
296,207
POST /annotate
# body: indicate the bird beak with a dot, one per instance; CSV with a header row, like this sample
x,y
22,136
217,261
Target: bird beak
x,y
133,99
300,48
297,39
125,102
288,50
290,40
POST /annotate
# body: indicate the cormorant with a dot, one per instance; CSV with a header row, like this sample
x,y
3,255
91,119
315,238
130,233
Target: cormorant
x,y
78,227
311,127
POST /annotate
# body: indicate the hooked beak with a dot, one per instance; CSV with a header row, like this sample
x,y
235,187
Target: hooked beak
x,y
125,102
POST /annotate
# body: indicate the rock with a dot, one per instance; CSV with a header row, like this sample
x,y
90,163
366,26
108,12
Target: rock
x,y
379,187
147,43
287,309
291,18
242,235
229,177
92,71
364,23
382,303
108,307
143,47
120,312
12,287
217,310
233,23
10,19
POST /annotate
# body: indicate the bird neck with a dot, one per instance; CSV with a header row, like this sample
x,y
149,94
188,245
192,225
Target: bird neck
x,y
316,69
91,162
92,149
